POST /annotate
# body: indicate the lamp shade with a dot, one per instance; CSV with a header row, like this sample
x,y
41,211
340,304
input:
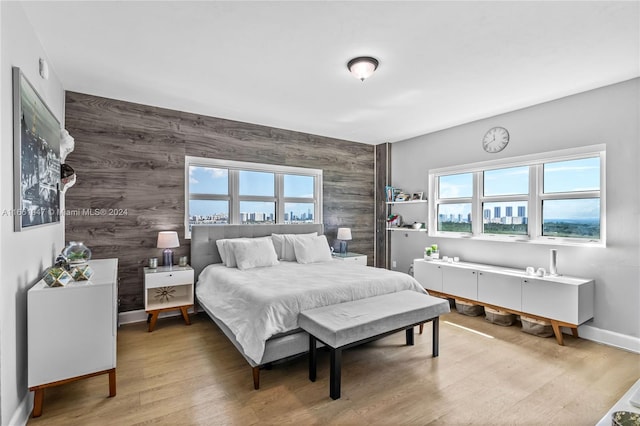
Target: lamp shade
x,y
168,239
344,234
362,67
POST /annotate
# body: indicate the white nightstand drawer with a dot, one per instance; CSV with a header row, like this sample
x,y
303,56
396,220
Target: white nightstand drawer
x,y
168,278
352,257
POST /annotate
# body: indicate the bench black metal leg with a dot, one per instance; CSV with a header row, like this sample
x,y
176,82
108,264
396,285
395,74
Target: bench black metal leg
x,y
436,335
312,358
409,332
335,372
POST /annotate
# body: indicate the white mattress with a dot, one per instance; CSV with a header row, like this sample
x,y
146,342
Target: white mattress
x,y
258,303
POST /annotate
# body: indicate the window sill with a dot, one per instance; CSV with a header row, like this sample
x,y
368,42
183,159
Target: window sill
x,y
522,240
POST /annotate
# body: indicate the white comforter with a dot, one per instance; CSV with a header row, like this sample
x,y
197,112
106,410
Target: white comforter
x,y
258,303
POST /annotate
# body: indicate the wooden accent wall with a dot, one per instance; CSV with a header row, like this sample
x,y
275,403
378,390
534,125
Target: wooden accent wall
x,y
131,157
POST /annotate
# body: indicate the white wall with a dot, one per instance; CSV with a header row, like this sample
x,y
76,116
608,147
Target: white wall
x,y
23,255
610,116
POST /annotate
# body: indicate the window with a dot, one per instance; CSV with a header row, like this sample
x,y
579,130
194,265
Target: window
x,y
553,197
231,192
504,200
454,210
571,199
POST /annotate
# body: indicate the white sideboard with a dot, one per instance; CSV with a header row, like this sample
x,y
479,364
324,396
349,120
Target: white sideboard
x,y
564,301
72,331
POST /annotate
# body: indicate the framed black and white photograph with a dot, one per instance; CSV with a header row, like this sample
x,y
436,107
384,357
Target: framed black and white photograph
x,y
417,196
36,134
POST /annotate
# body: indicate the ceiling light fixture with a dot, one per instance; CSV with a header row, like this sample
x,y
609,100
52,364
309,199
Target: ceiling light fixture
x,y
362,67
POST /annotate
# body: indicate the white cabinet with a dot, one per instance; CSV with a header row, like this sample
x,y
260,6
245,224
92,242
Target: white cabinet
x,y
462,282
565,301
568,300
429,274
500,290
72,330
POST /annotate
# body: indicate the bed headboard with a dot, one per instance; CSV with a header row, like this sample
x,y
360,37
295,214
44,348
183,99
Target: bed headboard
x,y
204,237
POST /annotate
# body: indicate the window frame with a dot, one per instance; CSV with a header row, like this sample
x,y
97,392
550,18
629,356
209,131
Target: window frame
x,y
534,199
233,195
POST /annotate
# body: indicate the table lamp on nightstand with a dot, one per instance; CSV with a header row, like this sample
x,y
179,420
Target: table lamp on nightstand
x,y
344,235
168,240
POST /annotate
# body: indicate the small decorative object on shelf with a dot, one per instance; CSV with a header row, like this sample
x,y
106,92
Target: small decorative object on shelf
x,y
183,261
82,272
394,220
402,197
61,262
57,277
77,253
435,254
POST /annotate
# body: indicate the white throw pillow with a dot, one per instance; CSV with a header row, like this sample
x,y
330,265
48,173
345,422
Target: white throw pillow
x,y
253,253
222,250
226,252
283,244
312,249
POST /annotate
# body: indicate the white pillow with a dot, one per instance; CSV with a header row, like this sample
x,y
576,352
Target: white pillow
x,y
226,252
222,250
312,249
253,253
283,244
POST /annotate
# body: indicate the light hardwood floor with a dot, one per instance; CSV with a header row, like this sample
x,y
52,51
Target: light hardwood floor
x,y
192,375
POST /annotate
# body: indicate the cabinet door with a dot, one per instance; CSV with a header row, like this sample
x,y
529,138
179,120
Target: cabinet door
x,y
550,299
71,332
500,290
429,274
460,282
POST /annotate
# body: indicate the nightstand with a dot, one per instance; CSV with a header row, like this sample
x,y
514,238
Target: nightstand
x,y
351,257
168,288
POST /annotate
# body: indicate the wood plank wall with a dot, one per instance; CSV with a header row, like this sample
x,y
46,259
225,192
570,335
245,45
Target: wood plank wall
x,y
131,157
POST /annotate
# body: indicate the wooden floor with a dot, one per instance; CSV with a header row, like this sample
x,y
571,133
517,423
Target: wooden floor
x,y
191,375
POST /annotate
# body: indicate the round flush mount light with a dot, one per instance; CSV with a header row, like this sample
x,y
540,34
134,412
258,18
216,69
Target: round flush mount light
x,y
362,67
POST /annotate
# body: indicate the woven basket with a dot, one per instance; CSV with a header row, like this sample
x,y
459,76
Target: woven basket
x,y
536,327
498,317
469,309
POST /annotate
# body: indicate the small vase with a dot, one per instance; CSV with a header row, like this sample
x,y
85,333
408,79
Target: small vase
x,y
77,253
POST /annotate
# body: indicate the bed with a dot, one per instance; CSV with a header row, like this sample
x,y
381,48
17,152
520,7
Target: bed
x,y
257,308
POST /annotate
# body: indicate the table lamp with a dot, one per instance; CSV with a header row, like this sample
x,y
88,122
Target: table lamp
x,y
168,240
344,235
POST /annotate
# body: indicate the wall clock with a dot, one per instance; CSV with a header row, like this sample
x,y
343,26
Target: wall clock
x,y
495,140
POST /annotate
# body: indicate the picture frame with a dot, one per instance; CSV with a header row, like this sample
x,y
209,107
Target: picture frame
x,y
416,196
36,166
402,197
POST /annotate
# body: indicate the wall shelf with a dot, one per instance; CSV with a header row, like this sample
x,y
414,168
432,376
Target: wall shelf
x,y
406,229
406,202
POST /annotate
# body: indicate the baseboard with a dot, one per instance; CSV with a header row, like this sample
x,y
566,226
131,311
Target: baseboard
x,y
23,411
610,338
141,315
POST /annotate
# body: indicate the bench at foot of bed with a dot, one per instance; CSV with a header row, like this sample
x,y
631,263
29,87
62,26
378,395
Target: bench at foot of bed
x,y
353,323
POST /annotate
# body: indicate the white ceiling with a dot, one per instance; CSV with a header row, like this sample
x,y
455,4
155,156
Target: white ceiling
x,y
283,64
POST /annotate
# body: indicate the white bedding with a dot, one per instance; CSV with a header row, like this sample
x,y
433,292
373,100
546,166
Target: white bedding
x,y
258,303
